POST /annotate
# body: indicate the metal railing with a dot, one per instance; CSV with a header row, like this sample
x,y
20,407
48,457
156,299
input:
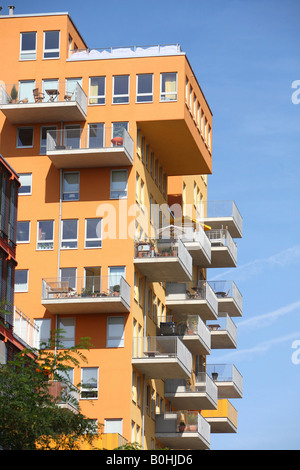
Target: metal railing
x,y
203,384
225,373
64,393
100,287
227,289
95,137
24,327
127,51
225,323
193,291
222,238
182,422
55,92
154,347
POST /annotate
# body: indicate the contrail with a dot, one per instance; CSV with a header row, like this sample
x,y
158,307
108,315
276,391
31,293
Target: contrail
x,y
261,321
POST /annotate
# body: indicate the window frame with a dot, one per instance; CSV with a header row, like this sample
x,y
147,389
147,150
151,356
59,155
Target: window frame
x,y
70,192
65,341
97,97
51,50
29,51
50,241
20,177
92,389
68,240
115,191
24,146
29,227
111,339
166,93
92,239
144,94
47,128
120,95
27,281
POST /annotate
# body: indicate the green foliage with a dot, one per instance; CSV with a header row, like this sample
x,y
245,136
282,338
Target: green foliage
x,y
30,417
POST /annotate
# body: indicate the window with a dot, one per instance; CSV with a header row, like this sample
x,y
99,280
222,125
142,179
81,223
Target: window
x,y
168,87
97,90
21,280
92,279
114,426
45,235
23,232
114,276
24,137
96,135
72,136
26,88
71,186
118,184
71,86
69,234
51,45
28,46
144,88
69,275
50,84
121,89
93,233
43,144
67,333
118,129
89,382
26,183
44,331
115,332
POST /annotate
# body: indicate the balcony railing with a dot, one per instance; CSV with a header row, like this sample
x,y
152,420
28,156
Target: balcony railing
x,y
125,51
24,328
227,378
220,214
65,394
79,292
223,332
182,430
182,392
192,297
223,419
220,239
96,138
230,299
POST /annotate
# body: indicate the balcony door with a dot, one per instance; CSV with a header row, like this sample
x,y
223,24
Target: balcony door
x,y
92,279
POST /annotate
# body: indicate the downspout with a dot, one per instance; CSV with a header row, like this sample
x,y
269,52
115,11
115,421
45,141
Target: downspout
x,y
58,249
144,377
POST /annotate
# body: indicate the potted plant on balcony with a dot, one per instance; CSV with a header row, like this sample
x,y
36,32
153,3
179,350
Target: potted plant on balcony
x,y
192,422
181,426
14,94
86,293
117,290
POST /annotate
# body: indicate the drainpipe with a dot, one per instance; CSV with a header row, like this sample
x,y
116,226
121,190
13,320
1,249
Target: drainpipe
x,y
144,377
59,220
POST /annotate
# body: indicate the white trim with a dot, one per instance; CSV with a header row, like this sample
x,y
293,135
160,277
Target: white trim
x,y
51,50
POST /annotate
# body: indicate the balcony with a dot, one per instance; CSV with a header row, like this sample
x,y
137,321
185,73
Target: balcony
x,y
228,380
203,395
230,299
192,298
65,394
24,328
95,294
223,419
163,260
223,333
191,330
182,430
222,214
162,357
37,103
94,147
223,249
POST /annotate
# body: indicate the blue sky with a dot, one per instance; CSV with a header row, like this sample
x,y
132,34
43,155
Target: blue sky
x,y
245,55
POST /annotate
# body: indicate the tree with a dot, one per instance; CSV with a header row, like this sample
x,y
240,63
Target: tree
x,y
30,417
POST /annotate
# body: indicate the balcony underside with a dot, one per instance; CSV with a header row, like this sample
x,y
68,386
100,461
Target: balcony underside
x,y
162,269
191,400
86,305
185,440
223,222
31,113
195,344
221,257
220,339
200,258
161,367
179,151
229,306
90,158
228,389
221,425
192,307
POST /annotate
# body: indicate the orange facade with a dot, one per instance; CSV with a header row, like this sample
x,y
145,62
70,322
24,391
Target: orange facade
x,y
84,204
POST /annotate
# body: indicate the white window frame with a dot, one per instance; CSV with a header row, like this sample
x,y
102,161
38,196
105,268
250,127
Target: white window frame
x,y
68,240
93,389
69,277
97,97
92,239
51,50
67,341
164,94
29,227
42,323
65,192
49,128
42,242
24,146
30,177
118,430
140,95
30,51
112,196
24,289
125,95
111,339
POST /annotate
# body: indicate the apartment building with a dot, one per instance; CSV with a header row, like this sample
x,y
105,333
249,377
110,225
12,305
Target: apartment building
x,y
115,233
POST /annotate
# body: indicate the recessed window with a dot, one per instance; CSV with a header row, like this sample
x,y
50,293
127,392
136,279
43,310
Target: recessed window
x,y
93,233
68,275
43,144
23,232
115,332
114,277
96,135
97,90
26,88
25,137
28,46
43,334
51,45
144,88
67,327
121,89
89,382
118,184
72,135
21,280
71,186
69,234
26,183
168,87
45,235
